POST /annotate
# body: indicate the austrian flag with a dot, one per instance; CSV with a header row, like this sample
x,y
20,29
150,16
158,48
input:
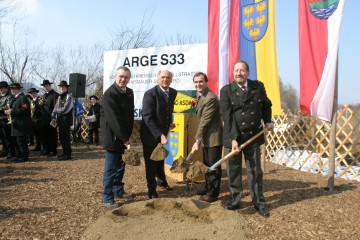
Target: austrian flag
x,y
319,26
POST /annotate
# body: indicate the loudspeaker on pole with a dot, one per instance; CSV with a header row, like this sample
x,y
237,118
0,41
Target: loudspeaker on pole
x,y
77,82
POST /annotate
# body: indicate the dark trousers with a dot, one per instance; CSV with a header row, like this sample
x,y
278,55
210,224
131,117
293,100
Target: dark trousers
x,y
38,136
92,132
7,142
153,169
65,140
212,179
21,147
50,138
254,175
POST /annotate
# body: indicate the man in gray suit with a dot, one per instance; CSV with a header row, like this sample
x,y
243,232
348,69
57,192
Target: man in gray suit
x,y
244,105
209,135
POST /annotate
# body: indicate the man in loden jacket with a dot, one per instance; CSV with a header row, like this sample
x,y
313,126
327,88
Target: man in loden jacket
x,y
117,120
209,134
245,107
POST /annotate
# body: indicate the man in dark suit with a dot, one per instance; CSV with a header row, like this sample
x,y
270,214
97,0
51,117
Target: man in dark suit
x,y
117,120
50,138
5,128
209,134
158,106
37,110
21,125
94,110
244,105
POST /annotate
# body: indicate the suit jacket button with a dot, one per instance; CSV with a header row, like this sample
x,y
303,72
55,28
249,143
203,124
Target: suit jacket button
x,y
252,123
252,113
242,133
250,132
251,102
243,123
242,113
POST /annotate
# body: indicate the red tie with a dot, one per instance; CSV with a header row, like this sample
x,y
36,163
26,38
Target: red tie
x,y
244,88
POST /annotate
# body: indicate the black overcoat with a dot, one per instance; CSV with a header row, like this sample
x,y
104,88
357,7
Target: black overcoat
x,y
50,98
20,116
117,118
94,110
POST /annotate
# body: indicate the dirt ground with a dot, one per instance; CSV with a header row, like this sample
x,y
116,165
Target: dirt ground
x,y
50,199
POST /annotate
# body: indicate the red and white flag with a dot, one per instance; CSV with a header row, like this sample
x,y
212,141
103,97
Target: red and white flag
x,y
319,26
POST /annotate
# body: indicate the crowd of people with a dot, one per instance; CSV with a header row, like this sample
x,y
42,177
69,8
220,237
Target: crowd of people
x,y
26,117
242,111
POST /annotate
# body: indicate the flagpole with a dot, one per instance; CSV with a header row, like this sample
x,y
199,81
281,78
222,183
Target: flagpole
x,y
333,133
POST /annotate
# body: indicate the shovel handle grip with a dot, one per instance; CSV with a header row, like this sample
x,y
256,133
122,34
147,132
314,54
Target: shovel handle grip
x,y
235,151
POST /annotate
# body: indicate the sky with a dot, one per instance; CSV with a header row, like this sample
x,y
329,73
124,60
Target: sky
x,y
86,22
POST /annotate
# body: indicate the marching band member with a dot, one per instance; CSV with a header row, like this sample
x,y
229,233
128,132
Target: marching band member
x,y
21,125
6,97
50,138
62,117
37,110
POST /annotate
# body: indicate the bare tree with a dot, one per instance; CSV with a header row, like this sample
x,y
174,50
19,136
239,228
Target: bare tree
x,y
128,37
5,8
289,96
18,56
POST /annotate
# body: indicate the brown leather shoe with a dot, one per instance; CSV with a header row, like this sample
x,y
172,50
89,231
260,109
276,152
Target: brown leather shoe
x,y
201,192
208,198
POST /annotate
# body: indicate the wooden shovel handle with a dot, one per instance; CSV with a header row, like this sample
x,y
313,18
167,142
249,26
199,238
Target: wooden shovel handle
x,y
235,151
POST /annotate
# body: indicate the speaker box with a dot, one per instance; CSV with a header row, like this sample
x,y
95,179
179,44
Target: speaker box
x,y
77,83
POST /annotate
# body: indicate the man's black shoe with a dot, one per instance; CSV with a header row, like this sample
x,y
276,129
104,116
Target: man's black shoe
x,y
263,210
51,154
232,207
16,160
153,195
64,158
10,156
201,192
3,154
166,187
208,198
11,159
62,155
36,149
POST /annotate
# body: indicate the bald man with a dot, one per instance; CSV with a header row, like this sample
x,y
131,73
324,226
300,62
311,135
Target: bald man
x,y
158,106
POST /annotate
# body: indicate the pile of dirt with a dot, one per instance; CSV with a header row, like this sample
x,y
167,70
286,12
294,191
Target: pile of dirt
x,y
179,166
131,157
197,169
168,219
159,153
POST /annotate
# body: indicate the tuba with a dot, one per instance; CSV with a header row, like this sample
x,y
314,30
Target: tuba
x,y
8,115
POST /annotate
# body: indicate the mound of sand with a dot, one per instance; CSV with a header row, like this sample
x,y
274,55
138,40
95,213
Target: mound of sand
x,y
166,218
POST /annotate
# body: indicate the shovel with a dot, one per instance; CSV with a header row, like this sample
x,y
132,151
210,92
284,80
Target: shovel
x,y
196,171
181,165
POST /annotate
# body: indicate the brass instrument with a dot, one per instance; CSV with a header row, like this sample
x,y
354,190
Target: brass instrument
x,y
8,115
32,108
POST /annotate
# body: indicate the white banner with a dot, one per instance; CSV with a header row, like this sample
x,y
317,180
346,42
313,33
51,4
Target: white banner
x,y
145,63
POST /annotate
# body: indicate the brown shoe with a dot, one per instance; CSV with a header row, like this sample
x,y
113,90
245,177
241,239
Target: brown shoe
x,y
208,198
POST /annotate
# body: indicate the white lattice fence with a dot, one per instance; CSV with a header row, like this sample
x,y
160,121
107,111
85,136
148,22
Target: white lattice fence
x,y
302,142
